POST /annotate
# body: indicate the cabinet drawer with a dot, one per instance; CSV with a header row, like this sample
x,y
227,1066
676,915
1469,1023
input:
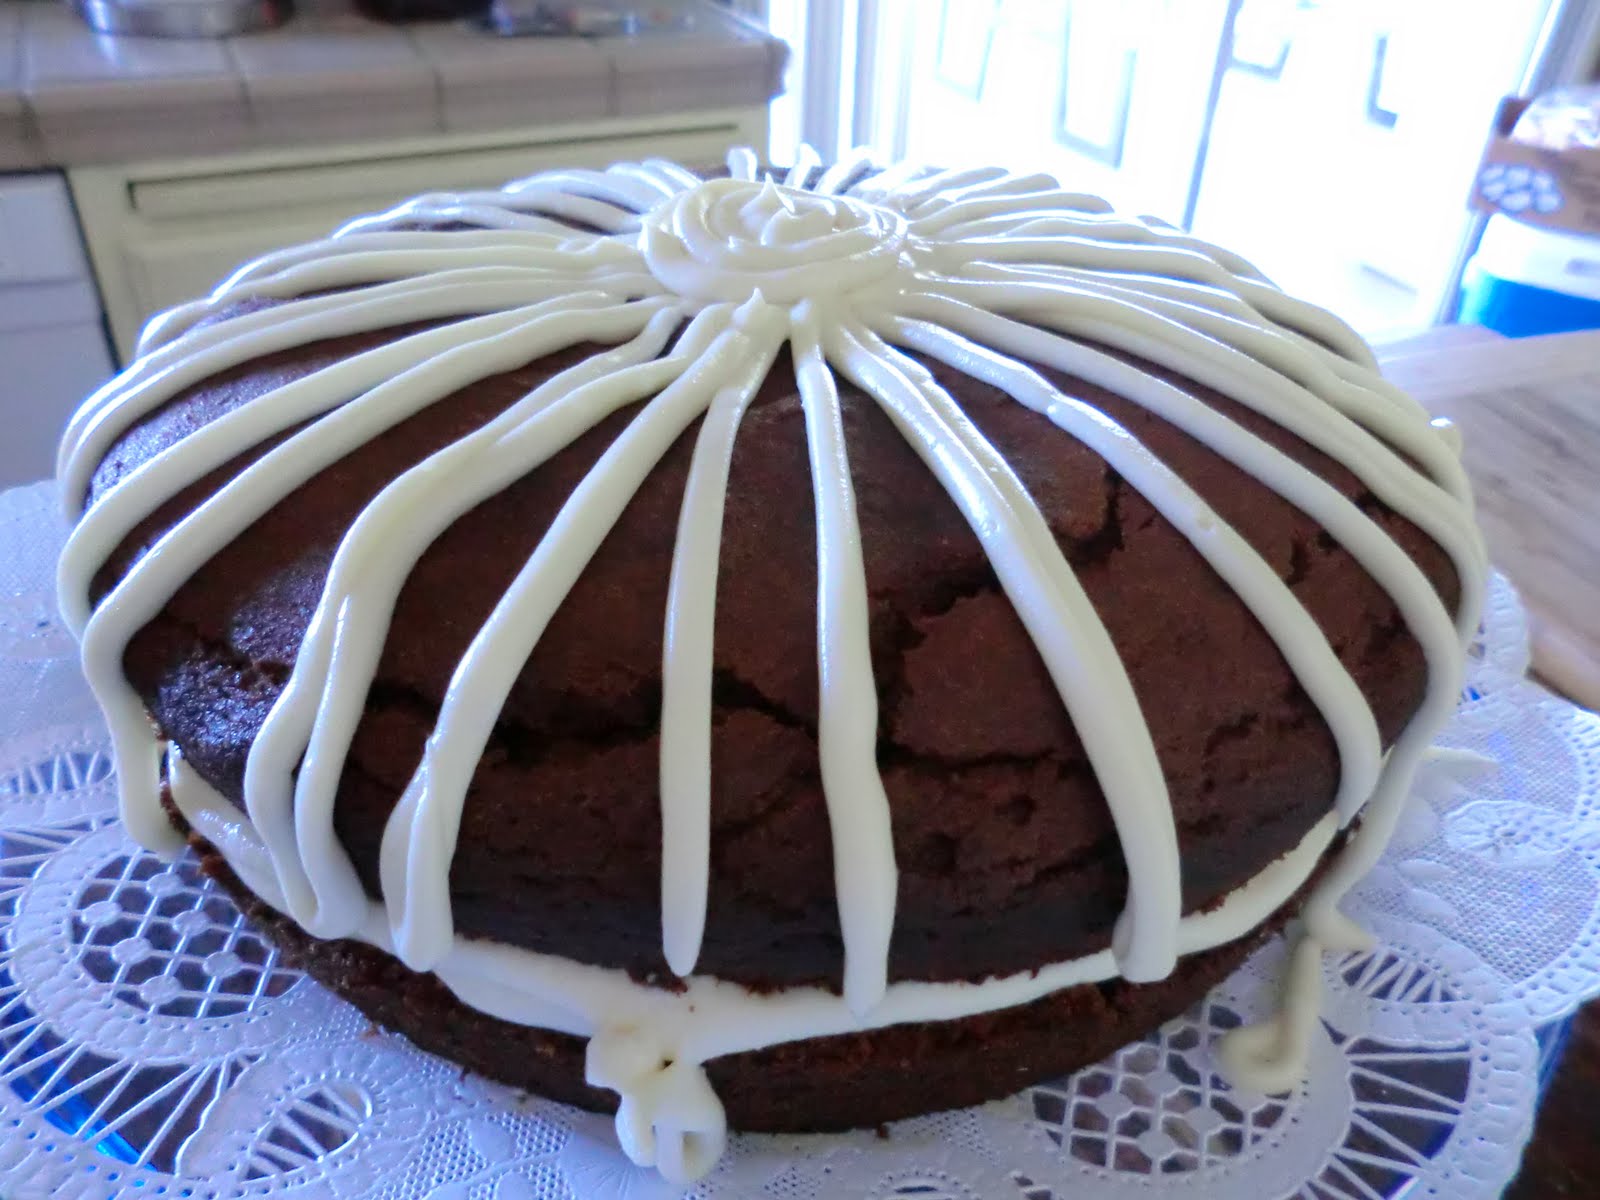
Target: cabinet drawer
x,y
162,233
38,234
360,186
164,272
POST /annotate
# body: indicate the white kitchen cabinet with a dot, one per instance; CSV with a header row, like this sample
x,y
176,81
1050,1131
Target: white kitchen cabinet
x,y
165,232
53,349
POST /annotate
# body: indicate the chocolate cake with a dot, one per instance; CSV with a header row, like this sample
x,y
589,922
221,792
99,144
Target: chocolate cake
x,y
785,649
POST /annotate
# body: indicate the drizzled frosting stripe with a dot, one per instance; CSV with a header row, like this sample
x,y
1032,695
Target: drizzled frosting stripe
x,y
350,625
697,286
863,845
104,526
686,685
1310,657
222,348
1217,363
156,577
737,359
1058,615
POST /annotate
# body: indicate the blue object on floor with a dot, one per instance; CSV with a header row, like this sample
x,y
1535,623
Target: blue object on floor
x,y
1525,281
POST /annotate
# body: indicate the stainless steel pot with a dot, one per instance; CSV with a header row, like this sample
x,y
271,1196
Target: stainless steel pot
x,y
183,18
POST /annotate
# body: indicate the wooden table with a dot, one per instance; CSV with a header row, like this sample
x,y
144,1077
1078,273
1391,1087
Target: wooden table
x,y
1529,410
1530,413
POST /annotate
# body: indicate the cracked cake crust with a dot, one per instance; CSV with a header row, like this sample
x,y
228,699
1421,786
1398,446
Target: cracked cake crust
x,y
1007,855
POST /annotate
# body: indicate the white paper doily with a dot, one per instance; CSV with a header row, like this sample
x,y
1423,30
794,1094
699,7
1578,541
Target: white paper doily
x,y
152,1045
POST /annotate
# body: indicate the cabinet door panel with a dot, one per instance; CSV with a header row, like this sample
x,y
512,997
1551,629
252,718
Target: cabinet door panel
x,y
166,271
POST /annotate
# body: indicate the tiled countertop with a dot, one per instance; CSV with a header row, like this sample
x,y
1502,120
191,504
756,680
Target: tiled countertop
x,y
71,97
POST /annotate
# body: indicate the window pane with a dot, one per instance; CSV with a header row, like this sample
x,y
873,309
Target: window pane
x,y
1332,141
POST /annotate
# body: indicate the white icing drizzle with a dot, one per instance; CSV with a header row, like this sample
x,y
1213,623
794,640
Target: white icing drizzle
x,y
1071,638
1312,659
696,287
634,1029
1270,1056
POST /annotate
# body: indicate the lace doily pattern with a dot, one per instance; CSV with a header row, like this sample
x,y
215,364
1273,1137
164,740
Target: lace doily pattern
x,y
151,1044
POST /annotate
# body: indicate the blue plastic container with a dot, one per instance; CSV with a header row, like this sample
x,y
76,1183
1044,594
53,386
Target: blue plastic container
x,y
1525,281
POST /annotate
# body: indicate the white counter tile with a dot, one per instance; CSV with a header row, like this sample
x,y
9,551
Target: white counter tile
x,y
71,96
59,48
487,82
671,72
96,98
336,77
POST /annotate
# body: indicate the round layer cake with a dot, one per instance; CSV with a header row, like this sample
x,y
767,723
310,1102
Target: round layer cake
x,y
804,646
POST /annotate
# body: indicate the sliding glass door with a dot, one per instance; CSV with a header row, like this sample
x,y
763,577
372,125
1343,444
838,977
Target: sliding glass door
x,y
1332,141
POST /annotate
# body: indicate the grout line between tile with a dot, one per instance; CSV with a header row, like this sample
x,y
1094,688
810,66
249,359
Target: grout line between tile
x,y
439,116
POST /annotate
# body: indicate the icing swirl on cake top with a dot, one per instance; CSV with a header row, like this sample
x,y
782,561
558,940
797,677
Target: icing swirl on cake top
x,y
728,239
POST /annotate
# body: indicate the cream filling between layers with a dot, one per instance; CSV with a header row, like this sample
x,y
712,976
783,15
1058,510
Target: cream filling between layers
x,y
710,1018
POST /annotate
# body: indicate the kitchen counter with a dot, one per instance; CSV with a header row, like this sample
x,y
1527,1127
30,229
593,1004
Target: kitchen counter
x,y
1529,411
71,97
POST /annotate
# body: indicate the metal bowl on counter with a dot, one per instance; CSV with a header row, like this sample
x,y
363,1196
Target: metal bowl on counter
x,y
183,18
594,18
